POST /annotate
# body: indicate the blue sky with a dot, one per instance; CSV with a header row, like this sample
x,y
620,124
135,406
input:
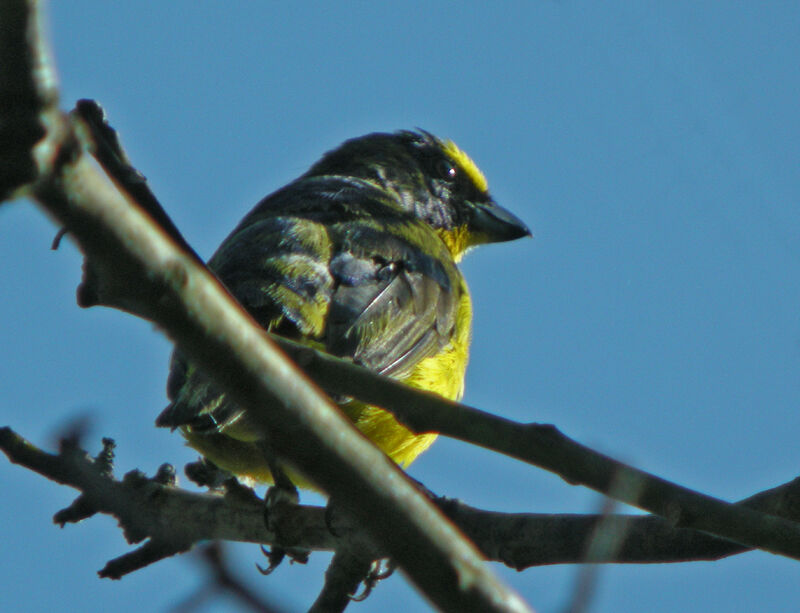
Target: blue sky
x,y
653,149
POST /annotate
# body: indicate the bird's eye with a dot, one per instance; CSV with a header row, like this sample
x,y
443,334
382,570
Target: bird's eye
x,y
446,169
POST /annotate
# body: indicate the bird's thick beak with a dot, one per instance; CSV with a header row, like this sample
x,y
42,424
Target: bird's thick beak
x,y
491,223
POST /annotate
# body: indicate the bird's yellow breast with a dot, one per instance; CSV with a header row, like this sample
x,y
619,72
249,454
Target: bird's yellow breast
x,y
442,373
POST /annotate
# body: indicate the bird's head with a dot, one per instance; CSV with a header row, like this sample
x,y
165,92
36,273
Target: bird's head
x,y
433,180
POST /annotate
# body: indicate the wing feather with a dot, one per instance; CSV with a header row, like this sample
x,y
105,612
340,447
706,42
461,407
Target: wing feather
x,y
373,285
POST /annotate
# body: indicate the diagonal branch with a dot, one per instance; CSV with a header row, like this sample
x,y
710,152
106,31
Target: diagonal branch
x,y
545,446
28,94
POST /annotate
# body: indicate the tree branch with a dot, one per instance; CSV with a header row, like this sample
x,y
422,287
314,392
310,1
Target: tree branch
x,y
28,93
149,508
543,445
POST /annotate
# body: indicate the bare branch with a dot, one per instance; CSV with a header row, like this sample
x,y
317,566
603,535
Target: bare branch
x,y
28,92
545,446
149,507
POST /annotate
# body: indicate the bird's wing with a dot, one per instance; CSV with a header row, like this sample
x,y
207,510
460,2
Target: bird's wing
x,y
383,292
277,268
395,298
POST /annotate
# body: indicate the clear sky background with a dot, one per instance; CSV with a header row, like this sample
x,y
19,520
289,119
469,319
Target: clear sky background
x,y
653,148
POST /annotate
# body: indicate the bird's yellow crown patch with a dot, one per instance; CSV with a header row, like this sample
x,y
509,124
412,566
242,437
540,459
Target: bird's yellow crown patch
x,y
466,164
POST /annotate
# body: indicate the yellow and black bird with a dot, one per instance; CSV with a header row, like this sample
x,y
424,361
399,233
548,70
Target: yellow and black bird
x,y
356,257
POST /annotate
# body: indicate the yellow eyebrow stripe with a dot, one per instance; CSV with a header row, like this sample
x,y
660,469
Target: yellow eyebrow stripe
x,y
466,164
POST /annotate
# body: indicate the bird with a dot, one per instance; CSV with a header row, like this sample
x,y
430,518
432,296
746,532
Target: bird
x,y
357,257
